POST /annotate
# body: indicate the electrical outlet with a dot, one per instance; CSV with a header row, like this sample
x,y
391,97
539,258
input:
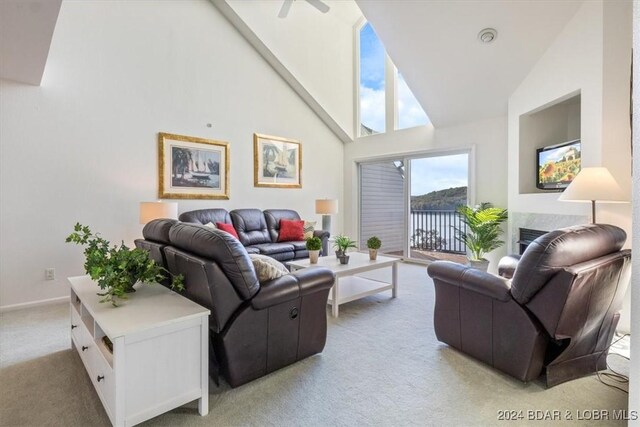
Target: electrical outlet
x,y
50,274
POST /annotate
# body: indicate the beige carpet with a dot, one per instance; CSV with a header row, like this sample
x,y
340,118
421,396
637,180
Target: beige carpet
x,y
382,366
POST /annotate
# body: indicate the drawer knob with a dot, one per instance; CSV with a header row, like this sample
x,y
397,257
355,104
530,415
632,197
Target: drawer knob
x,y
100,378
74,326
84,347
293,313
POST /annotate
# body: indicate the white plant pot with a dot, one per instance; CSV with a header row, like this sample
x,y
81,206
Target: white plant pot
x,y
481,264
313,256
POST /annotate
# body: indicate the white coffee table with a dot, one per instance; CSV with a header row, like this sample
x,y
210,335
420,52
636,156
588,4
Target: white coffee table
x,y
349,287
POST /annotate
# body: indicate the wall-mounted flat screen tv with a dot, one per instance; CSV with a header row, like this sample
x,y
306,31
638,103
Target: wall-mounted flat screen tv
x,y
558,165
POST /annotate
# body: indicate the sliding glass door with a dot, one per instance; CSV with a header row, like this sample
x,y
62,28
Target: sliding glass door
x,y
410,204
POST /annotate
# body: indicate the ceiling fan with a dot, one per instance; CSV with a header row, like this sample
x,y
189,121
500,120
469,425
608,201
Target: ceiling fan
x,y
286,5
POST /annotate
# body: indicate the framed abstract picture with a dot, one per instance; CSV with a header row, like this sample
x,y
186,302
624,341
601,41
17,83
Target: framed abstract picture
x,y
277,162
192,168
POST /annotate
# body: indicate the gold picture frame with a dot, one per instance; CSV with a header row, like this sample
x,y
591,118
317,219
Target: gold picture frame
x,y
277,162
192,168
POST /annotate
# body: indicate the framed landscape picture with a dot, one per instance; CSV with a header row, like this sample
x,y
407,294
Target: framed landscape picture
x,y
277,162
192,168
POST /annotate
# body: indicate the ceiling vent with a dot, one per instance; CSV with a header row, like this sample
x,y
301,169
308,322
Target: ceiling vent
x,y
487,35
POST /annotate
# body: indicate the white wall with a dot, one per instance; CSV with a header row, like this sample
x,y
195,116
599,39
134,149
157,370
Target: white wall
x,y
634,378
82,147
592,55
316,48
489,137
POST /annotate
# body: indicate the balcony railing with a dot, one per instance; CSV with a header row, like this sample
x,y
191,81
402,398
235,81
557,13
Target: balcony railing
x,y
435,231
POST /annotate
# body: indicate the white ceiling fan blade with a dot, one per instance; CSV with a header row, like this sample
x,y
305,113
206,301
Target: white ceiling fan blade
x,y
284,10
322,7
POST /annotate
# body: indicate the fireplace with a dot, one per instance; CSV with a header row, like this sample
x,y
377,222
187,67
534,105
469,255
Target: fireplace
x,y
528,235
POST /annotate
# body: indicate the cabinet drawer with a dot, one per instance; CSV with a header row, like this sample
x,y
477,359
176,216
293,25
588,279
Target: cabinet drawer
x,y
103,379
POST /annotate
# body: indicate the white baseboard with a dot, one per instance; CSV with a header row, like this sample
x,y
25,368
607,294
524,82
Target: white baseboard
x,y
23,305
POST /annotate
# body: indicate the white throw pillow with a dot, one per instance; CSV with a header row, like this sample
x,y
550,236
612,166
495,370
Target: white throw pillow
x,y
267,268
211,225
309,228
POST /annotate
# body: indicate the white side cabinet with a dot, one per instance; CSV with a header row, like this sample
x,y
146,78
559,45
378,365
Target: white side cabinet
x,y
160,350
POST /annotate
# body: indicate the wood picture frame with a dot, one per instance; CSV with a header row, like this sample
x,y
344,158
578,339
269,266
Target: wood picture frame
x,y
277,162
192,168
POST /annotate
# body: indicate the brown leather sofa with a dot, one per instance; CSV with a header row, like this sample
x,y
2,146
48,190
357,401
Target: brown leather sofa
x,y
557,315
258,230
255,328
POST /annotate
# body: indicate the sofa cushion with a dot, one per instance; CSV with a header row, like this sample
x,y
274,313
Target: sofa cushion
x,y
227,228
251,226
267,268
252,250
299,245
273,217
205,216
291,230
220,248
273,248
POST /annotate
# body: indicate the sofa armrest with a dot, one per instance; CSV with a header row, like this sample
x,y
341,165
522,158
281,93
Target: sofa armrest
x,y
292,286
507,266
324,236
471,279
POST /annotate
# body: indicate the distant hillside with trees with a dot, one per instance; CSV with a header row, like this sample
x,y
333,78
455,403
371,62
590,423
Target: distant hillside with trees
x,y
441,200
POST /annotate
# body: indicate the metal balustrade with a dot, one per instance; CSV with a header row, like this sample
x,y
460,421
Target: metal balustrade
x,y
435,231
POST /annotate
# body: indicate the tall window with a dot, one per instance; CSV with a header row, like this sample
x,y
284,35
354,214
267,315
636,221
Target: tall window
x,y
410,112
372,91
375,113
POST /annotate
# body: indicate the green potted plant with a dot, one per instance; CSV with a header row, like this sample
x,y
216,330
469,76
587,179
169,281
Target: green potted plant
x,y
116,269
373,243
342,244
314,244
483,231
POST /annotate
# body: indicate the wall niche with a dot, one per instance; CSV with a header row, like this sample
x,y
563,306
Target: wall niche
x,y
550,124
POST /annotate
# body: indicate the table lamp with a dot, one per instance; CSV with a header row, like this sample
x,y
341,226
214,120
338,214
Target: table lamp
x,y
591,185
326,207
154,210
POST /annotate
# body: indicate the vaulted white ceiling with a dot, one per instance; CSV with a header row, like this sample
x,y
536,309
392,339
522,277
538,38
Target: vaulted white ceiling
x,y
26,29
456,78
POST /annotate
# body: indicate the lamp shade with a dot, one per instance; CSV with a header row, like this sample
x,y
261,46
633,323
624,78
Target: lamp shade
x,y
326,206
154,210
595,183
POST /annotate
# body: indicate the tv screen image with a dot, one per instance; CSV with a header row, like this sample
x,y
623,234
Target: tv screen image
x,y
558,165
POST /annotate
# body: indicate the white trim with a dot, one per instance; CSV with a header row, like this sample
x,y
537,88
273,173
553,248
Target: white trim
x,y
356,75
23,305
390,96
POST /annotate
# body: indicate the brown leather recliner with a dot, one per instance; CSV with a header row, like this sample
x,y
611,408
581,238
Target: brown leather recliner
x,y
255,328
556,315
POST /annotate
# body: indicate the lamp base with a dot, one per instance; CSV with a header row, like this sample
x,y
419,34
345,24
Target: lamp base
x,y
326,223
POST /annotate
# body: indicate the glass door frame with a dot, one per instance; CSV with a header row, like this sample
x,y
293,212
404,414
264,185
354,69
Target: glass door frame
x,y
406,159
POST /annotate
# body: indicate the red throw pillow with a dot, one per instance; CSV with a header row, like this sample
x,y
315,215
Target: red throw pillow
x,y
228,228
291,230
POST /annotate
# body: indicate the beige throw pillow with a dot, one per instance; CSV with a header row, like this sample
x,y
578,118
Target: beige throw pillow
x,y
267,268
309,228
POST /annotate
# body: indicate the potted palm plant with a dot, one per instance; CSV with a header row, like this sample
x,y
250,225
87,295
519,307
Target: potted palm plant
x,y
373,243
314,244
483,230
342,244
117,268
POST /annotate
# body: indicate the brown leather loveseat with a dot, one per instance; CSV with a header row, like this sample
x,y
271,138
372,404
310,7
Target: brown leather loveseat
x,y
255,328
557,315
